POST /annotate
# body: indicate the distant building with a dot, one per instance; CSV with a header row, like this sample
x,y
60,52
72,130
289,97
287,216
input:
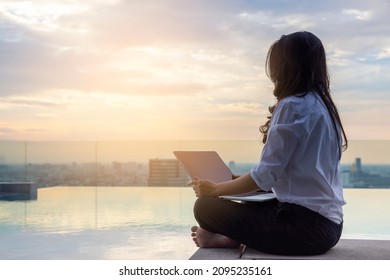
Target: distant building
x,y
358,178
166,172
358,164
232,165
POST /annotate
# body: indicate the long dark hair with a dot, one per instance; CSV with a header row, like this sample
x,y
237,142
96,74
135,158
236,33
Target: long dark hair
x,y
296,64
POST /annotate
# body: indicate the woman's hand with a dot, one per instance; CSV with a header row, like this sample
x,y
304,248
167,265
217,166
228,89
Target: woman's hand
x,y
240,185
204,187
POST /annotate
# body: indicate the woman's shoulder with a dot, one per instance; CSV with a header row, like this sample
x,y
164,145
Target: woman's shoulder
x,y
302,102
299,106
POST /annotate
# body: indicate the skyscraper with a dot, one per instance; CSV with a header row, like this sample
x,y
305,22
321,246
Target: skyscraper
x,y
166,172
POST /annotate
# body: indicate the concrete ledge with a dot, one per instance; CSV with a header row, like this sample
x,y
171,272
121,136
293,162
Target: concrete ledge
x,y
18,191
346,249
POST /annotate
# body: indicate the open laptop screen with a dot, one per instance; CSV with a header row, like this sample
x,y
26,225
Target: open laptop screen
x,y
204,165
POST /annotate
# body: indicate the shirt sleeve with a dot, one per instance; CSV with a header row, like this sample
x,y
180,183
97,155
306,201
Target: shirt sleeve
x,y
282,139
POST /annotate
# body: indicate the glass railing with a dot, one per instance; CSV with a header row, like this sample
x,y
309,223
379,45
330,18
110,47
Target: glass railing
x,y
103,222
366,164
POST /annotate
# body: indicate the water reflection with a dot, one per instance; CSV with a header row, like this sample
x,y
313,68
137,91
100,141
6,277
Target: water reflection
x,y
78,208
99,223
366,213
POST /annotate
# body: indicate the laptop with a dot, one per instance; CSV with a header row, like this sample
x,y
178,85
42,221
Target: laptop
x,y
209,165
204,165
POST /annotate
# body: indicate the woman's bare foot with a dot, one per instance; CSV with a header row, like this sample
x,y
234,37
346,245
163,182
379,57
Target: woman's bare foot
x,y
205,239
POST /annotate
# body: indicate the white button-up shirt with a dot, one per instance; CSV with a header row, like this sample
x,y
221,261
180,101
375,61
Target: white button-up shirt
x,y
300,160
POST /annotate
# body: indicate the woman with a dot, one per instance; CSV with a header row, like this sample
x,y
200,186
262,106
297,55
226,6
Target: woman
x,y
303,141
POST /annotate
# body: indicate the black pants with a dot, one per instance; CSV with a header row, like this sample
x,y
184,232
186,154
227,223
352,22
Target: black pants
x,y
272,227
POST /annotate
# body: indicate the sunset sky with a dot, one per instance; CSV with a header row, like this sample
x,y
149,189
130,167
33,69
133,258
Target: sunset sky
x,y
178,69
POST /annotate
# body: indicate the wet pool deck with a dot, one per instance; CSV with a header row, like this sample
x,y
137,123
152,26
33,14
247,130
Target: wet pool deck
x,y
346,249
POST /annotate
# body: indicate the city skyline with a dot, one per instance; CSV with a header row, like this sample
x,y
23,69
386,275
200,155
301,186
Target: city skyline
x,y
158,172
243,151
186,70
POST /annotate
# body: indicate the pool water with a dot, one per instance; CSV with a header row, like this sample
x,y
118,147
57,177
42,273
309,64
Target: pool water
x,y
137,222
99,223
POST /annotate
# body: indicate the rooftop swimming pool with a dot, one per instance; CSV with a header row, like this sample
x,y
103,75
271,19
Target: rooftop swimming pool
x,y
138,222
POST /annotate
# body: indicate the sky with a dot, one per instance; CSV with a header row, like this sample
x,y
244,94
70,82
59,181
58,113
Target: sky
x,y
178,69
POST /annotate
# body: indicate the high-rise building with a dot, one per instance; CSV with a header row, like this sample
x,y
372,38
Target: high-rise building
x,y
358,163
166,172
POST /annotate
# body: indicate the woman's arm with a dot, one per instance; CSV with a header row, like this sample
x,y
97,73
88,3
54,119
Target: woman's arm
x,y
240,185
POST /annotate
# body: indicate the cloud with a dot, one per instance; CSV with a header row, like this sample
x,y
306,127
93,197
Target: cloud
x,y
23,101
43,16
6,130
46,55
238,108
383,54
270,19
358,14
